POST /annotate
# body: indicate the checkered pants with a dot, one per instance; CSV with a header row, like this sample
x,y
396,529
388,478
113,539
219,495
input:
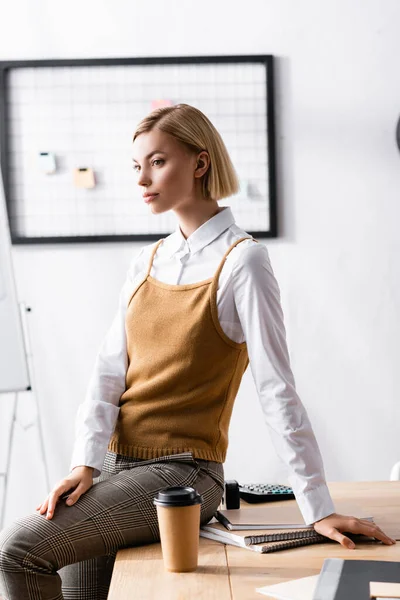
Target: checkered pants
x,y
72,555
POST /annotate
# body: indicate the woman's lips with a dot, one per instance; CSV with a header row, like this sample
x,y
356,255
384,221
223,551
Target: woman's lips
x,y
148,199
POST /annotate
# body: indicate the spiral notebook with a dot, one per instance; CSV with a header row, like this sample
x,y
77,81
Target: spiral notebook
x,y
251,536
242,540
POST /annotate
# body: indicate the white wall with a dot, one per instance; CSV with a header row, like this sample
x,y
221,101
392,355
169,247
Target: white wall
x,y
336,260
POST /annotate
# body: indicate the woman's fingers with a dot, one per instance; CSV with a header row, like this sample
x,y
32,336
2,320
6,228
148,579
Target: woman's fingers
x,y
392,540
334,525
76,494
372,530
342,539
43,507
369,529
53,498
69,489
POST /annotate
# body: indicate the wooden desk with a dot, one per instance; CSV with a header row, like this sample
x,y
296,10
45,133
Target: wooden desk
x,y
228,572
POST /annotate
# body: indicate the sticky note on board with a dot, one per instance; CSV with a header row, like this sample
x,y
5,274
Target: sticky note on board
x,y
84,178
160,103
250,189
253,191
46,162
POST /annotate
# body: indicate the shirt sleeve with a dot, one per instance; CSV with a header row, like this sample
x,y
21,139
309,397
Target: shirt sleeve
x,y
97,415
257,299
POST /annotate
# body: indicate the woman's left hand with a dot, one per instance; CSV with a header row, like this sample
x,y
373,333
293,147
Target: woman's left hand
x,y
333,526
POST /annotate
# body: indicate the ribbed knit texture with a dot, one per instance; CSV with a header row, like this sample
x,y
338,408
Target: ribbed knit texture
x,y
183,373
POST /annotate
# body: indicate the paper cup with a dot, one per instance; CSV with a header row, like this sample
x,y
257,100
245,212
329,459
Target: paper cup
x,y
178,512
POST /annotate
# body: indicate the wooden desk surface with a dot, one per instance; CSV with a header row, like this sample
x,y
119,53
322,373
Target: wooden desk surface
x,y
228,572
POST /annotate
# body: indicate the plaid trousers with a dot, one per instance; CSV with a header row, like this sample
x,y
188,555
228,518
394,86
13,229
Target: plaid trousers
x,y
71,556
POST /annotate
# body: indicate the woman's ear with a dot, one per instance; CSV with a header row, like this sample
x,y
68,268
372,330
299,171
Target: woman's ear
x,y
202,164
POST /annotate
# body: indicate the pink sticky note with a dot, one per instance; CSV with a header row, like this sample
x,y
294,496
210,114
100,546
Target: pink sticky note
x,y
160,103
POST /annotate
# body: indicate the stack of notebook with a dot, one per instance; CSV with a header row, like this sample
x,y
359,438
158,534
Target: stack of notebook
x,y
267,540
263,528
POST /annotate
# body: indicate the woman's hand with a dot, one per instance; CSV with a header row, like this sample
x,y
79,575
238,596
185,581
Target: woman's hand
x,y
332,526
77,483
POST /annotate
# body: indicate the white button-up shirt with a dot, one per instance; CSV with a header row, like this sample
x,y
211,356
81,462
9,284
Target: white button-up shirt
x,y
249,310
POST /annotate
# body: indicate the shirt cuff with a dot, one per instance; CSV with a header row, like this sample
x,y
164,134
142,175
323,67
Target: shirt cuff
x,y
95,424
89,454
315,504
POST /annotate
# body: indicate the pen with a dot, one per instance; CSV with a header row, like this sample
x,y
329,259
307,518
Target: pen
x,y
223,520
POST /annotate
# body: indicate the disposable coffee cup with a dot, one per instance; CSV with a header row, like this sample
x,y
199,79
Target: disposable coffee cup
x,y
178,512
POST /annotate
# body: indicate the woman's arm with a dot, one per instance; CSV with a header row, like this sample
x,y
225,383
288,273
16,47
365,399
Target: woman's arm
x,y
98,413
257,300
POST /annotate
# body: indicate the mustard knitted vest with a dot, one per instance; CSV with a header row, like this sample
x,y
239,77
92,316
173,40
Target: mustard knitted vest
x,y
183,372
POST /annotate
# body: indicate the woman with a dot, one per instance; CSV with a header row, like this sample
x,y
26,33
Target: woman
x,y
195,309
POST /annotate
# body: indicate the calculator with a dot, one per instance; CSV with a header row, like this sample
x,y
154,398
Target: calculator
x,y
265,492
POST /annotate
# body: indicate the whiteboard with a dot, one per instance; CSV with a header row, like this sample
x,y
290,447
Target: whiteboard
x,y
14,373
81,114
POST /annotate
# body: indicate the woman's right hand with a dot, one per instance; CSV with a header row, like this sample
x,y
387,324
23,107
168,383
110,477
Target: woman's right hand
x,y
77,483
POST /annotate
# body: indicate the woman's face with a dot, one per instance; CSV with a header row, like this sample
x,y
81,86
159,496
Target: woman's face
x,y
166,168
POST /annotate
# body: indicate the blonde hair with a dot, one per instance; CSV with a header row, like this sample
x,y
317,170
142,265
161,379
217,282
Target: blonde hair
x,y
193,129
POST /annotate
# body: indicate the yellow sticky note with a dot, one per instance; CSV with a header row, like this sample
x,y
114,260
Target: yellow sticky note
x,y
84,178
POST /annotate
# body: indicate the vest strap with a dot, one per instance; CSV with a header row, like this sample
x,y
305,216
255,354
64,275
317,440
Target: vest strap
x,y
152,256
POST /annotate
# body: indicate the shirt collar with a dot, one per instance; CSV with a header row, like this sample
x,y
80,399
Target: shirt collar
x,y
204,235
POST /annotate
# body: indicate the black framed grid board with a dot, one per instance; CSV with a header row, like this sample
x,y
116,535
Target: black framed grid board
x,y
66,141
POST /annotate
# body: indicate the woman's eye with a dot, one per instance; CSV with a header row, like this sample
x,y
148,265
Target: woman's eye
x,y
157,162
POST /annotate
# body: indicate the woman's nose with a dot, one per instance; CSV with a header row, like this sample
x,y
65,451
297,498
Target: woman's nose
x,y
143,179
